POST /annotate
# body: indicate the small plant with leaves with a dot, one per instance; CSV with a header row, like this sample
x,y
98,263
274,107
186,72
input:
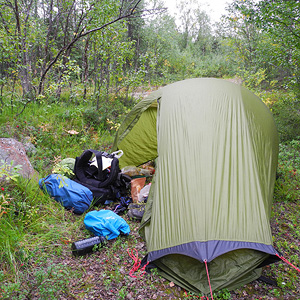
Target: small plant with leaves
x,y
4,204
63,170
9,171
222,294
122,293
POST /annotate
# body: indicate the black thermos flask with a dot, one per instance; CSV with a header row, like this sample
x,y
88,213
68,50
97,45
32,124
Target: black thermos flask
x,y
86,246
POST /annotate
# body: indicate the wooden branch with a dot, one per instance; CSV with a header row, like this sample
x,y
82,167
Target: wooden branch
x,y
17,15
4,24
28,11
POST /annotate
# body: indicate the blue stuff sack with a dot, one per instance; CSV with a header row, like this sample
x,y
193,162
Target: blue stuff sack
x,y
71,194
106,223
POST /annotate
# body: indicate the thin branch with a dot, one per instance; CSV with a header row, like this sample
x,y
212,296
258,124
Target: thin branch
x,y
67,20
9,4
121,8
135,6
28,11
81,19
17,15
18,114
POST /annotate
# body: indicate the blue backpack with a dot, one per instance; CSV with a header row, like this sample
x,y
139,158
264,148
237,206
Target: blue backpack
x,y
72,195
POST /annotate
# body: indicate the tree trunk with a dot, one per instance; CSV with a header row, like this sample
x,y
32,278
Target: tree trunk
x,y
25,72
25,76
85,67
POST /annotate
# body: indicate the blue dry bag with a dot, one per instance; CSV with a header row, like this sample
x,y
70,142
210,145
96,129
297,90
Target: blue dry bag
x,y
105,223
71,194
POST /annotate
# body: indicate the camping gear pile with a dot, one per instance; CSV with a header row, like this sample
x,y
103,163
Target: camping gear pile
x,y
205,215
95,181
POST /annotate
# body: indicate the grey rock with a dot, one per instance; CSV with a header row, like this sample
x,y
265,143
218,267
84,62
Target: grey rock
x,y
13,151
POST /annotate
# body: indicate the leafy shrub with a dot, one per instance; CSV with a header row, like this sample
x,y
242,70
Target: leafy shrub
x,y
109,114
286,113
114,111
215,66
285,108
93,117
252,79
288,174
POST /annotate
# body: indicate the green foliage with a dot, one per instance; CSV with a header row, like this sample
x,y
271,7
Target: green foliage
x,y
109,114
278,23
70,113
213,66
259,41
65,167
223,294
243,38
288,173
47,57
286,112
58,131
285,109
250,79
65,74
23,206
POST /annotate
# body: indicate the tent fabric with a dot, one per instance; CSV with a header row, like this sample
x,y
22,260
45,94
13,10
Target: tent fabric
x,y
137,134
230,271
216,149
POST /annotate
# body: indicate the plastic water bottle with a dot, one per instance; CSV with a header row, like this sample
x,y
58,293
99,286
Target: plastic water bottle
x,y
86,246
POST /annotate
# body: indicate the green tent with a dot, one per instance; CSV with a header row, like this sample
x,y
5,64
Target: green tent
x,y
207,215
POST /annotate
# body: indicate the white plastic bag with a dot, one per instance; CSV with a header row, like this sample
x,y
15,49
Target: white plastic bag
x,y
144,193
106,162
